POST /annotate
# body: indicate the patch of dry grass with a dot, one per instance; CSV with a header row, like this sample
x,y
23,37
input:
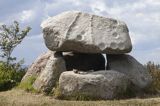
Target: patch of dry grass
x,y
21,98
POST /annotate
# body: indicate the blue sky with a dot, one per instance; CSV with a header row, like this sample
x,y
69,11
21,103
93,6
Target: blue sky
x,y
141,16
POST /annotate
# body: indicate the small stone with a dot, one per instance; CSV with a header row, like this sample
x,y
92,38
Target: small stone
x,y
75,71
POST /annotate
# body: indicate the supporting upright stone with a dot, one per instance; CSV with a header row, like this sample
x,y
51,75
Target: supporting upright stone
x,y
37,66
128,65
50,75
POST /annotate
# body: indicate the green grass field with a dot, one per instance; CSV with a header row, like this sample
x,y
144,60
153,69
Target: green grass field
x,y
21,98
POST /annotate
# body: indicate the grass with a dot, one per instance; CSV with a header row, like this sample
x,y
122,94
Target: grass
x,y
17,97
27,84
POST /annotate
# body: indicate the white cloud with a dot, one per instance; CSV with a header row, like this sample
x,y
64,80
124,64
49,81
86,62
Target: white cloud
x,y
26,15
153,2
1,23
98,7
135,38
76,2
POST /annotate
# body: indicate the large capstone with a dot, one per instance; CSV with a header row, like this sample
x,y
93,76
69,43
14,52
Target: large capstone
x,y
128,65
98,85
50,75
86,33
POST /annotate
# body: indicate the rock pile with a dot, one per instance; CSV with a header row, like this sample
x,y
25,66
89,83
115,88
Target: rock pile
x,y
77,41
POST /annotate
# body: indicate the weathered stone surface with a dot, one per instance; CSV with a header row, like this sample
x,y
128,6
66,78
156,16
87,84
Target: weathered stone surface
x,y
50,75
38,65
99,84
83,61
128,65
83,32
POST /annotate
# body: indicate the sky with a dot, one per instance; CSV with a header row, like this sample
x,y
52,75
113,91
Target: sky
x,y
141,16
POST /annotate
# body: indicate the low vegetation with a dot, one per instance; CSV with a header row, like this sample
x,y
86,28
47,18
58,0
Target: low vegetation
x,y
10,76
27,84
154,70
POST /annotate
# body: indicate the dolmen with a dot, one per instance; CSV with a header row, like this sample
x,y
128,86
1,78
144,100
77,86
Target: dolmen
x,y
75,63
